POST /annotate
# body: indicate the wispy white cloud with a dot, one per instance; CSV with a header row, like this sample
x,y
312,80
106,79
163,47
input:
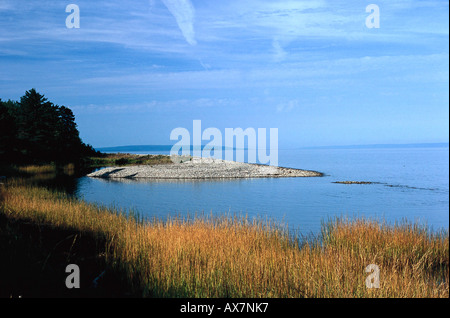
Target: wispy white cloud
x,y
230,34
348,72
184,14
156,105
5,5
280,53
288,106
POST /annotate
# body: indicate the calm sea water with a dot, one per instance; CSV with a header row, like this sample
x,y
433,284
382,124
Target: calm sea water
x,y
411,183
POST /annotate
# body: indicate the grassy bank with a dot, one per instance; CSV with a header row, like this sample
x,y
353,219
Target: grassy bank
x,y
123,159
50,170
42,231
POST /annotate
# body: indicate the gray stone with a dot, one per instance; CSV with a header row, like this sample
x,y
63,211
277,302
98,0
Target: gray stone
x,y
202,168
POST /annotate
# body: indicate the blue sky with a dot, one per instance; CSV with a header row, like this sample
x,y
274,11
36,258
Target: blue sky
x,y
135,70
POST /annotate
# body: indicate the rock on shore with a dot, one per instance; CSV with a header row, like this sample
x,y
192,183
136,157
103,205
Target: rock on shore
x,y
201,168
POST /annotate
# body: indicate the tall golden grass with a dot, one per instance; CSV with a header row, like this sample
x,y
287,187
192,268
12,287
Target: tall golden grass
x,y
231,256
38,173
123,159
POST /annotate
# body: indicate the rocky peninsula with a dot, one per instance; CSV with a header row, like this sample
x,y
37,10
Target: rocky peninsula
x,y
202,168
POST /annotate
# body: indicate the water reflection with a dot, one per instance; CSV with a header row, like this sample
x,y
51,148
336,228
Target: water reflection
x,y
60,180
169,180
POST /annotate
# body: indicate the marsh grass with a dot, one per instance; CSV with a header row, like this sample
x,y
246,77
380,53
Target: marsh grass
x,y
234,256
123,159
37,173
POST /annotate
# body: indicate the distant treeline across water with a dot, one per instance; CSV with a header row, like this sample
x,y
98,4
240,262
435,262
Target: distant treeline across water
x,y
167,148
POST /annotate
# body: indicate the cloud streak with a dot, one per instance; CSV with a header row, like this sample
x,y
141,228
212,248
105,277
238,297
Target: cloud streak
x,y
184,14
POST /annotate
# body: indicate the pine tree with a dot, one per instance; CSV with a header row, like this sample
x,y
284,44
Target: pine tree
x,y
35,130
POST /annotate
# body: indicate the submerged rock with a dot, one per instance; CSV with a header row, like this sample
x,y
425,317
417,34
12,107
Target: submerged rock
x,y
355,182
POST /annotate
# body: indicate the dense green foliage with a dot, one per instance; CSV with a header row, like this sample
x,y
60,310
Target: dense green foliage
x,y
34,130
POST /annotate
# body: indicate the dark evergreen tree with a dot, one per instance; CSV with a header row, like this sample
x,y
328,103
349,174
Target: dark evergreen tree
x,y
8,131
37,120
35,130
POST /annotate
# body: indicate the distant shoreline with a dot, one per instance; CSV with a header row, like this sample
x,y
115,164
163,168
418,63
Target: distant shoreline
x,y
202,168
143,148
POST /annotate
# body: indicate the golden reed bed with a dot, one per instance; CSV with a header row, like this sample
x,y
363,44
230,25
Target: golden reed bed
x,y
236,257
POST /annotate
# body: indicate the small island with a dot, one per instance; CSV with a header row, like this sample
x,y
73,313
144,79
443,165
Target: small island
x,y
201,168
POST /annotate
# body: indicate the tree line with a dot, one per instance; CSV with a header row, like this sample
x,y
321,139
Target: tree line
x,y
34,130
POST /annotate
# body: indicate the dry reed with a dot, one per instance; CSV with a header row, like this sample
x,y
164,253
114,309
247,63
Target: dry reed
x,y
231,256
